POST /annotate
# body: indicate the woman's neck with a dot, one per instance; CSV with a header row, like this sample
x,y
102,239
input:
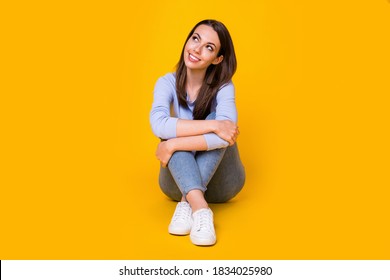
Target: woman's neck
x,y
194,82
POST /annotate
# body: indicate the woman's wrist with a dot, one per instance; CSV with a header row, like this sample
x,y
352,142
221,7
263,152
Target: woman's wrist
x,y
171,145
213,126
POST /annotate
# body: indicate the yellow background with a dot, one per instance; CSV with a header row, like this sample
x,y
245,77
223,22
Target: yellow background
x,y
79,176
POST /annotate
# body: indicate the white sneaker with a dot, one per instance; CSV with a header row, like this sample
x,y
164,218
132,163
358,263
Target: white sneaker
x,y
203,232
181,222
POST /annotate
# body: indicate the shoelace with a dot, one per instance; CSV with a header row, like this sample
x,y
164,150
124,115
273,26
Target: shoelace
x,y
182,212
204,222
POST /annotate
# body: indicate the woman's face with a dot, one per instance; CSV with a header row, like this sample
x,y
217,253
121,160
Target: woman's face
x,y
202,48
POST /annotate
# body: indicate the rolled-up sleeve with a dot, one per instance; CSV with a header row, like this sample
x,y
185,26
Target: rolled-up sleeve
x,y
225,110
163,125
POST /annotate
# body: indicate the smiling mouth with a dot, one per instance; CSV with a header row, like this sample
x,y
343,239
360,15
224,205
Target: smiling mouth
x,y
193,58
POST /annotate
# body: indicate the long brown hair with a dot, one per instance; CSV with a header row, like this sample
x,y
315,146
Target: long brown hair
x,y
216,75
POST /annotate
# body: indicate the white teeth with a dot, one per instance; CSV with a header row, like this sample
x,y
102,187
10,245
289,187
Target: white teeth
x,y
194,58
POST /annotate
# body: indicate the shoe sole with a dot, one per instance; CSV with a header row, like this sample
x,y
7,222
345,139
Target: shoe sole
x,y
203,242
178,232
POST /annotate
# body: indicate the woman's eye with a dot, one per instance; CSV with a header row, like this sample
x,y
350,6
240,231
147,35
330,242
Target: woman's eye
x,y
210,48
194,38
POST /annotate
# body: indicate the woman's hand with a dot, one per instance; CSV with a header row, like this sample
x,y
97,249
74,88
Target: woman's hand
x,y
164,152
227,130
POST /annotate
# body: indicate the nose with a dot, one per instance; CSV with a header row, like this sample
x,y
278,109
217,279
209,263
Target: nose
x,y
197,48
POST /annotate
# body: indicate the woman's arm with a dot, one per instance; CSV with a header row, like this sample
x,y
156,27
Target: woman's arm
x,y
218,133
225,129
165,149
195,127
225,110
163,125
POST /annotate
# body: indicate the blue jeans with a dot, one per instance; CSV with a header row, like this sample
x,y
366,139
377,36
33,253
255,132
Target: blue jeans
x,y
219,174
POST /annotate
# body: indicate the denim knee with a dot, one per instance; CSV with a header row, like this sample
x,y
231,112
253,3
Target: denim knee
x,y
185,172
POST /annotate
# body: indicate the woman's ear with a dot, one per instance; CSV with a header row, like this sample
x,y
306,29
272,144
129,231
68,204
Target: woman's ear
x,y
218,60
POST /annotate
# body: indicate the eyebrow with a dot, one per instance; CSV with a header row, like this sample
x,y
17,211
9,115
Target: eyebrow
x,y
207,42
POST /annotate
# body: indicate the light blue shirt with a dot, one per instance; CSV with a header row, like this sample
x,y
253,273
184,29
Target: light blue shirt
x,y
164,120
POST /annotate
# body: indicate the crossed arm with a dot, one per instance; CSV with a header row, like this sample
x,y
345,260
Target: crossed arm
x,y
190,137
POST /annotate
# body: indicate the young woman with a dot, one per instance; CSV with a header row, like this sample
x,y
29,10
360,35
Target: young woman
x,y
194,114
